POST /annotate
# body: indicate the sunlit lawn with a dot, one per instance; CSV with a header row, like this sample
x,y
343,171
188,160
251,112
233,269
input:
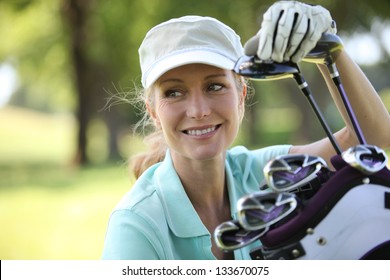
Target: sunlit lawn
x,y
49,209
60,216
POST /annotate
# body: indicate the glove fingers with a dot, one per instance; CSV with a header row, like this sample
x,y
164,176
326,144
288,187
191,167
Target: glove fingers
x,y
289,31
266,33
297,36
308,43
314,30
283,32
324,20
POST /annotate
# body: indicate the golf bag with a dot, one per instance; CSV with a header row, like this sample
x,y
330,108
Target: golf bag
x,y
347,218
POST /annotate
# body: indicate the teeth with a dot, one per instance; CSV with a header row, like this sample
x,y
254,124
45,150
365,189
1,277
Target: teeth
x,y
197,132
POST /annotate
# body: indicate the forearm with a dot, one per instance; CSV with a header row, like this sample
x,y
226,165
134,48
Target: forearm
x,y
370,112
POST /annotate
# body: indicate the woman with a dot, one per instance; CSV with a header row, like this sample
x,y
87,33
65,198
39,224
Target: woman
x,y
196,103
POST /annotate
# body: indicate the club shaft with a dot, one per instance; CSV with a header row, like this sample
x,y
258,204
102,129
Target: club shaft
x,y
352,117
304,87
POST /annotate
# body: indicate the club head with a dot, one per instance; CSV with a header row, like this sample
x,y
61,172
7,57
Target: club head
x,y
258,211
288,172
253,68
231,235
327,46
367,158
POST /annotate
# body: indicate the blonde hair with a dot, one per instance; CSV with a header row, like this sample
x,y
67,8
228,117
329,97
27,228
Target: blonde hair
x,y
155,141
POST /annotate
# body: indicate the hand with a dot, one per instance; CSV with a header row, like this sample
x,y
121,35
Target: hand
x,y
289,31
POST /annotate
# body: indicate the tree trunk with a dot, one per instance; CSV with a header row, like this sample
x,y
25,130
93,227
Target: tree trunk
x,y
75,15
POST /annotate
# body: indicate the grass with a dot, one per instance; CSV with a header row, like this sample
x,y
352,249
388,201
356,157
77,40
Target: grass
x,y
49,209
62,216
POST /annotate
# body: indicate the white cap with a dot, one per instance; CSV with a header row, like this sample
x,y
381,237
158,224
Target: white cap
x,y
187,40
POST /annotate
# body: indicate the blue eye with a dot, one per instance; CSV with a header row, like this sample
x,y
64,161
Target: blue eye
x,y
215,87
173,93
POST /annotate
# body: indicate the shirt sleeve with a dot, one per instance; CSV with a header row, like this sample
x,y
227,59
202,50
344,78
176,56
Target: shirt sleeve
x,y
128,237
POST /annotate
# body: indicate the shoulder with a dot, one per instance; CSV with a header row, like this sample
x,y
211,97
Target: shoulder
x,y
143,198
130,236
142,204
241,156
138,223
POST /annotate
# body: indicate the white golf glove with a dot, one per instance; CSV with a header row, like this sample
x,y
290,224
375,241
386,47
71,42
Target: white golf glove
x,y
289,31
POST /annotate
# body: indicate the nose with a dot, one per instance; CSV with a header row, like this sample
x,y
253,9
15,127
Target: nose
x,y
198,106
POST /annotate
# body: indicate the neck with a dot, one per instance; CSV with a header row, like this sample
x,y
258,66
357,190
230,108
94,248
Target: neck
x,y
205,185
203,181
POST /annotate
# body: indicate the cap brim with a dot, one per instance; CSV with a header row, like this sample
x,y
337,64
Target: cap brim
x,y
183,58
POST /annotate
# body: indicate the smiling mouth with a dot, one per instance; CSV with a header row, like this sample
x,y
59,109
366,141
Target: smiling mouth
x,y
200,132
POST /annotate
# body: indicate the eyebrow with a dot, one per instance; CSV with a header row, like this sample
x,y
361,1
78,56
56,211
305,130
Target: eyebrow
x,y
170,80
215,76
211,76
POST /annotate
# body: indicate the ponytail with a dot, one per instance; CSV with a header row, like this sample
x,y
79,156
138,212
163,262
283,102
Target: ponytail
x,y
155,142
156,152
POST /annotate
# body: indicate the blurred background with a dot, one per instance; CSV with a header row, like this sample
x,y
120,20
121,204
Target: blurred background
x,y
65,142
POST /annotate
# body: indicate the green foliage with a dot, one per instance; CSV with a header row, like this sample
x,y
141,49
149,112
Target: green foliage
x,y
36,44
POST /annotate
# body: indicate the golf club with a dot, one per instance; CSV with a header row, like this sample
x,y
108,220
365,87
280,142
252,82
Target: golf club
x,y
231,235
293,172
366,158
323,53
253,68
260,210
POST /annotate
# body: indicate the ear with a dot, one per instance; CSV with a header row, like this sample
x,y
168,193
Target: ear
x,y
241,105
242,96
244,93
152,114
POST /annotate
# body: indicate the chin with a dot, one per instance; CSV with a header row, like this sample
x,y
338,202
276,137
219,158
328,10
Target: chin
x,y
207,154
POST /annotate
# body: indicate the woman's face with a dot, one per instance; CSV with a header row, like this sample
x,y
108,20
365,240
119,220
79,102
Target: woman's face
x,y
199,109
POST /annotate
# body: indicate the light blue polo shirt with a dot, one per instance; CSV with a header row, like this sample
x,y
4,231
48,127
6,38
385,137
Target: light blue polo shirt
x,y
155,220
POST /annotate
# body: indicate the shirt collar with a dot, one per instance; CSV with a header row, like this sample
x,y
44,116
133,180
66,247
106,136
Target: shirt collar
x,y
232,191
181,215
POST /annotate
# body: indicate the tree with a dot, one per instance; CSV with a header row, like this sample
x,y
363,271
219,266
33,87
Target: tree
x,y
76,14
74,51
